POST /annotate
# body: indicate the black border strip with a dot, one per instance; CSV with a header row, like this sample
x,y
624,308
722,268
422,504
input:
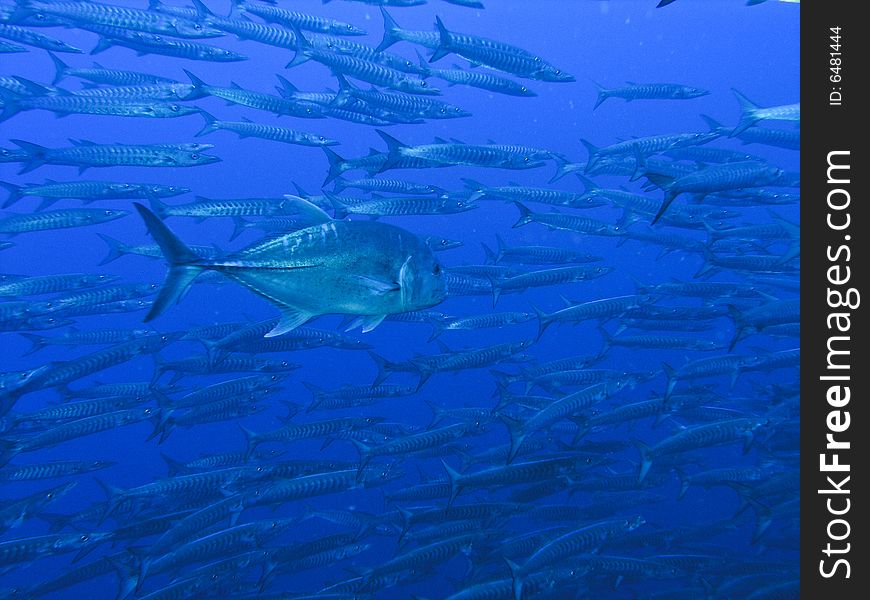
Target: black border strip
x,y
833,127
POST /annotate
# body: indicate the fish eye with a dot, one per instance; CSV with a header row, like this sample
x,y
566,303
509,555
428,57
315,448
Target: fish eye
x,y
85,537
523,88
171,188
174,107
49,495
109,213
194,156
422,84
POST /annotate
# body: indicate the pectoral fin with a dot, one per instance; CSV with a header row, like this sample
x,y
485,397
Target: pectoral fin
x,y
290,320
377,287
367,322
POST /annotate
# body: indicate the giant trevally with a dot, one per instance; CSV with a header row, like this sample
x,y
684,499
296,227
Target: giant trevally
x,y
359,268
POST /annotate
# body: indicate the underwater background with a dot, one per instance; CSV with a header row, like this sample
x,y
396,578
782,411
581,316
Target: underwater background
x,y
589,520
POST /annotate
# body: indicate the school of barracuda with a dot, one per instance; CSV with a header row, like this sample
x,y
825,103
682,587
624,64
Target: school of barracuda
x,y
541,490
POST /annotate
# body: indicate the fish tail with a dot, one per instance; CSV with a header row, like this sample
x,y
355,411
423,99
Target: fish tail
x,y
496,290
239,226
173,466
128,574
640,168
339,186
437,329
338,205
424,66
606,338
252,440
37,342
117,249
525,215
685,482
593,150
444,41
437,413
16,192
544,321
669,198
561,168
209,126
385,367
714,125
237,8
517,582
163,426
303,47
394,149
501,247
365,456
9,449
491,257
114,496
392,31
748,114
202,11
764,519
60,68
603,94
425,374
475,186
453,476
739,325
645,459
286,88
515,429
671,374
316,396
183,263
10,104
336,164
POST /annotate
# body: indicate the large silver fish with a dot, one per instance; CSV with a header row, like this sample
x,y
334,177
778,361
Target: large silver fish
x,y
349,267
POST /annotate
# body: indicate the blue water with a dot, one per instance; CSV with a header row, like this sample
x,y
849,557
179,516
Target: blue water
x,y
715,45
